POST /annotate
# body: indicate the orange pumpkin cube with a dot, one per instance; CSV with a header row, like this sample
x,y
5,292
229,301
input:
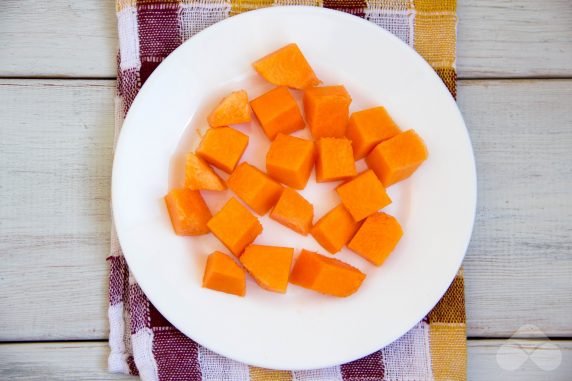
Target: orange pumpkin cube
x,y
327,110
335,160
235,226
290,160
293,211
369,127
232,109
277,111
269,266
223,274
222,147
328,276
397,158
287,66
199,176
254,187
363,195
376,238
188,211
335,229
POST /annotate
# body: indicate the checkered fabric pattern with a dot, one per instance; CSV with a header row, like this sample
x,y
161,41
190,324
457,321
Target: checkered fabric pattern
x,y
142,341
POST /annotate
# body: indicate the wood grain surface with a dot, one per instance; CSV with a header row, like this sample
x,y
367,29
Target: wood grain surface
x,y
66,38
519,264
56,140
82,361
55,160
55,166
514,38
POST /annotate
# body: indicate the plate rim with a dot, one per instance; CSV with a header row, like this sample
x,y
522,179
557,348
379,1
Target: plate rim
x,y
259,13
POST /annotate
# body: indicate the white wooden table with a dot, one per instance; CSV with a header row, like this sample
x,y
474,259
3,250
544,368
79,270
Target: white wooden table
x,y
57,70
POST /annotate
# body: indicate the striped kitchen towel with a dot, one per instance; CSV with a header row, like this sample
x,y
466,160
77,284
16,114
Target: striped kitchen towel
x,y
142,342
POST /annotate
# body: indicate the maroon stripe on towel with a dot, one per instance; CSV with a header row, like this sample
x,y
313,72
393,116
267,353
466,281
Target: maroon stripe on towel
x,y
368,368
117,279
176,355
354,7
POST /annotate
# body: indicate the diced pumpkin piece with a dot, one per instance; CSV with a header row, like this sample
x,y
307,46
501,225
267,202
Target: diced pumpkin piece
x,y
235,226
268,265
376,238
200,176
290,160
328,276
223,274
277,111
293,211
335,229
287,66
254,187
335,160
369,127
222,147
188,211
327,110
232,109
363,195
397,158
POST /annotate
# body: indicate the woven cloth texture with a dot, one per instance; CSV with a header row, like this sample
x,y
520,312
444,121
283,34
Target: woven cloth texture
x,y
143,342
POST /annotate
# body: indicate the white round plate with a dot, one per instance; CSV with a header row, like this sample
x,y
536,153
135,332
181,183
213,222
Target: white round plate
x,y
301,329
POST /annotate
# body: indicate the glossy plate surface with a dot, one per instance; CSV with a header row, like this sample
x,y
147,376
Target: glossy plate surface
x,y
299,330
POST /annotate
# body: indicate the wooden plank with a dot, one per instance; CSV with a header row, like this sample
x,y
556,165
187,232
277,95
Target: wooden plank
x,y
56,361
58,38
492,360
55,157
488,360
55,160
512,38
519,263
